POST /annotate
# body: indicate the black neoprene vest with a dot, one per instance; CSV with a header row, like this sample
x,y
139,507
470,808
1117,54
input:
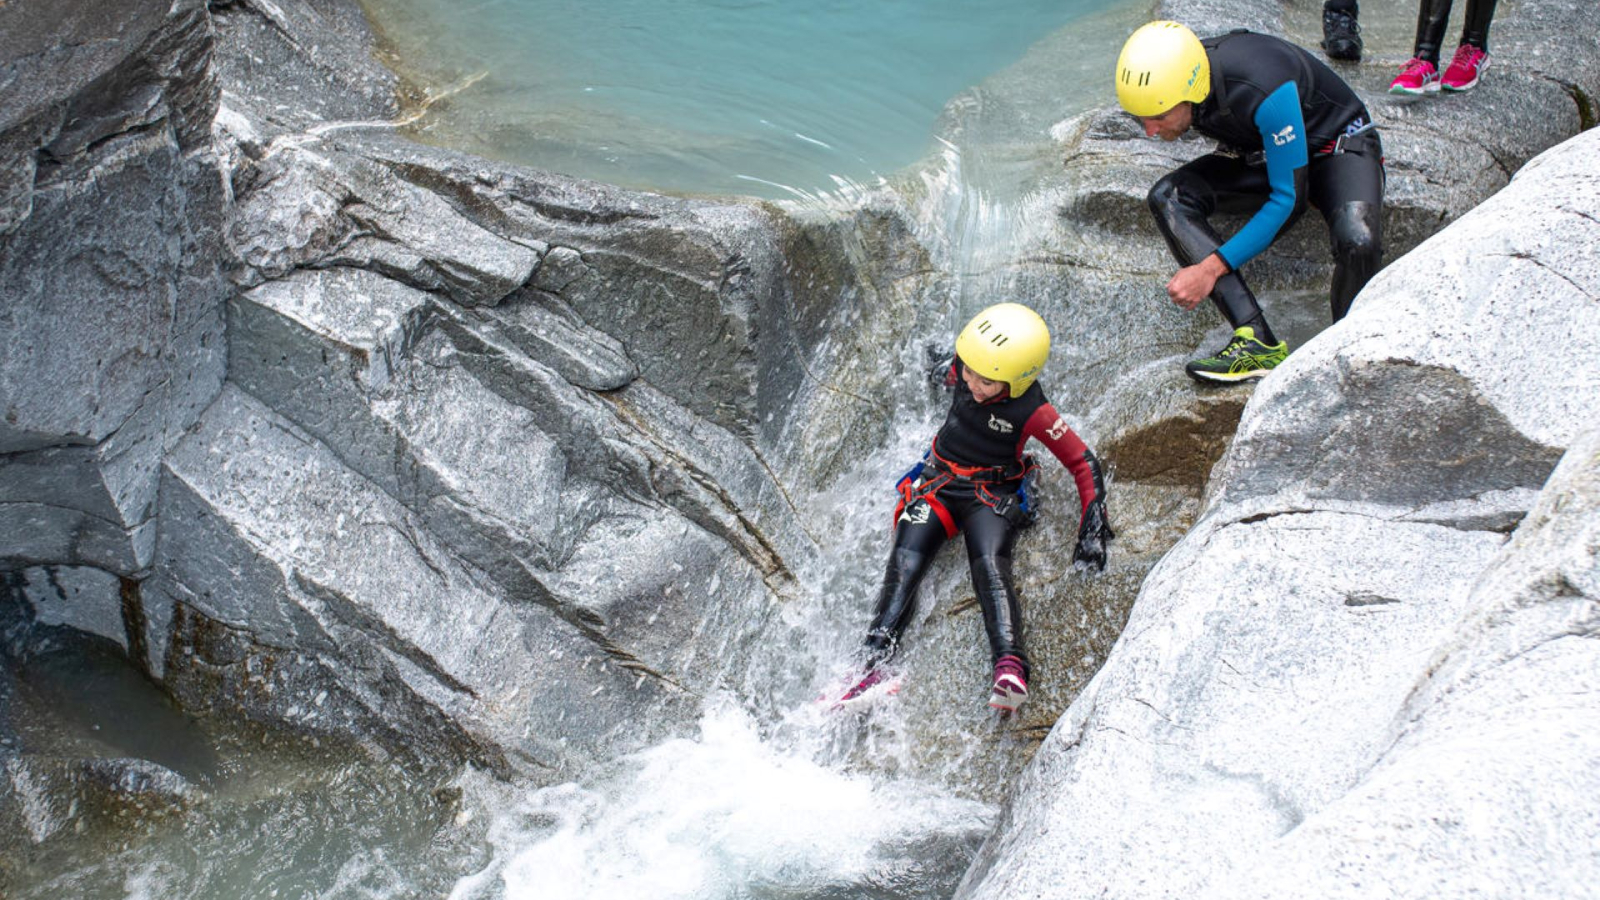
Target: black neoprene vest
x,y
1246,67
986,434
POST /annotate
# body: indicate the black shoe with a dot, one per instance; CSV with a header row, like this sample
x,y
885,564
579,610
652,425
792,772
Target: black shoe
x,y
1341,36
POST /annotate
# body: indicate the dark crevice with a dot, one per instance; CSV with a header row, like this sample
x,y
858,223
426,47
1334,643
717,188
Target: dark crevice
x,y
134,624
1367,599
1588,108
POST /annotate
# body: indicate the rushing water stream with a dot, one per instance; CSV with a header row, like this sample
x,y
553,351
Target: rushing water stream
x,y
755,97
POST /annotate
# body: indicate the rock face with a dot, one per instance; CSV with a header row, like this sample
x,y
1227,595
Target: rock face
x,y
1346,674
109,265
403,518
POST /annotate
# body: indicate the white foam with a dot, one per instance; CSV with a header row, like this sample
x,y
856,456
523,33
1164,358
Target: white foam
x,y
706,818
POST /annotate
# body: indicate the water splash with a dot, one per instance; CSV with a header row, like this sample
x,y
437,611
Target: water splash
x,y
732,813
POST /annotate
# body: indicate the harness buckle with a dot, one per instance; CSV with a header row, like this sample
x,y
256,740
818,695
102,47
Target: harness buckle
x,y
1355,129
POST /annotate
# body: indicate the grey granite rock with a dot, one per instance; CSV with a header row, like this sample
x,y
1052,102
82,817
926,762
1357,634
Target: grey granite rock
x,y
694,290
1486,785
110,268
81,597
305,597
497,438
317,52
44,797
544,328
1467,371
315,205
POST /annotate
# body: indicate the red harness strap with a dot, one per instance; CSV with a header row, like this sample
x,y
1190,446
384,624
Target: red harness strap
x,y
927,493
980,474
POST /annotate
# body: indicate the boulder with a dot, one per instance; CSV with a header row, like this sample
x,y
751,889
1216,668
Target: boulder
x,y
1487,782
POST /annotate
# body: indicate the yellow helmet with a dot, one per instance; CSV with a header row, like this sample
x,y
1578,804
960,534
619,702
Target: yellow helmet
x,y
1007,342
1162,65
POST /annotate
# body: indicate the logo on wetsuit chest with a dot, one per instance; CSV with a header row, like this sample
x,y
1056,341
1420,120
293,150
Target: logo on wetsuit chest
x,y
1001,425
1286,136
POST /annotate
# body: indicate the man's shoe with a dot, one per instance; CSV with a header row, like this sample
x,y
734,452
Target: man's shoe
x,y
1243,358
1010,685
1465,69
1341,36
1417,78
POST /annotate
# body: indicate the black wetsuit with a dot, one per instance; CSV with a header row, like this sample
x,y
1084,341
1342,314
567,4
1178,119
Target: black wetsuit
x,y
1290,132
973,472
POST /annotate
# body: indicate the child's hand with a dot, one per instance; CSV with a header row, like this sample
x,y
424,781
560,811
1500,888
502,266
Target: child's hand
x,y
1094,532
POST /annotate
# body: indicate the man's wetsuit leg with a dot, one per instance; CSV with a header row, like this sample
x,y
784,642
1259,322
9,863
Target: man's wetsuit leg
x,y
1183,202
990,539
1348,189
915,544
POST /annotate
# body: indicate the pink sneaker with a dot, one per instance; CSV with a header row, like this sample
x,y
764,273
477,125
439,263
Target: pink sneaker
x,y
869,680
1010,685
1465,69
1418,77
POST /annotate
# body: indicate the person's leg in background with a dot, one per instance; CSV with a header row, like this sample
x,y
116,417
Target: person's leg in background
x,y
1341,34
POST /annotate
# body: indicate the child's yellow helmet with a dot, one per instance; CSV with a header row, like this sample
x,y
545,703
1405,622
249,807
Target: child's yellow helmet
x,y
1007,342
1162,65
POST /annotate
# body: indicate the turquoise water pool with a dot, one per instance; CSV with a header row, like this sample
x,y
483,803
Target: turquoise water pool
x,y
755,97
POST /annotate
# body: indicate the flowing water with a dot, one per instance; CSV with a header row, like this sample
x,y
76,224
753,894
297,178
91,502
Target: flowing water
x,y
811,102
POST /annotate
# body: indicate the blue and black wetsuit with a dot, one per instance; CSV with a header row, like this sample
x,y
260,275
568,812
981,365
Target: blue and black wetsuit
x,y
970,479
1290,133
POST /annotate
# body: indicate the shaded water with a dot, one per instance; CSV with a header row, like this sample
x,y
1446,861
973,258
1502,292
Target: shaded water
x,y
757,97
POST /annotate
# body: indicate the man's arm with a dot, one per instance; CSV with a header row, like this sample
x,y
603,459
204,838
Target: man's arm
x,y
1282,127
1283,136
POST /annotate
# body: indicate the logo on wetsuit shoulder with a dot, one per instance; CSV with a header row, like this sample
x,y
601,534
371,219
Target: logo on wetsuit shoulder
x,y
916,513
1001,425
1057,431
1286,136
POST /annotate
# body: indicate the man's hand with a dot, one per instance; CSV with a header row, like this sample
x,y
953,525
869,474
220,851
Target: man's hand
x,y
1194,283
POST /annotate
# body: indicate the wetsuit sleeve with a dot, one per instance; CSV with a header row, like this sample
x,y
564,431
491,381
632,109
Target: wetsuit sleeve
x,y
946,374
1048,428
1283,137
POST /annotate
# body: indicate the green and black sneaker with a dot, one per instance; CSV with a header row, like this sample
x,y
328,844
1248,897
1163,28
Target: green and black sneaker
x,y
1244,357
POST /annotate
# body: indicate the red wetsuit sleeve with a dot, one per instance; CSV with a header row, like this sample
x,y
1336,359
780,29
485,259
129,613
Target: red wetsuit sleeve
x,y
1048,428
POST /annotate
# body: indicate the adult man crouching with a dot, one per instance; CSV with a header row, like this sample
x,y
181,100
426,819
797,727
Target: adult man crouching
x,y
1289,132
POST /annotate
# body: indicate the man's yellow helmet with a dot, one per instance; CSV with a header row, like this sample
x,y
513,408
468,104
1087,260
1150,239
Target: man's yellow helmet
x,y
1007,342
1162,65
